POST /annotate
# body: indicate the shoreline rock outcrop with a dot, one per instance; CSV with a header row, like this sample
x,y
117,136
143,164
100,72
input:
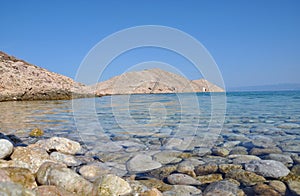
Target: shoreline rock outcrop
x,y
20,81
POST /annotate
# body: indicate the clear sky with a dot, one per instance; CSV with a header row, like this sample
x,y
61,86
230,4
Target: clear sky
x,y
253,42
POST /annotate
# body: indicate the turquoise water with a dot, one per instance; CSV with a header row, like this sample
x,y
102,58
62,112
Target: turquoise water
x,y
149,118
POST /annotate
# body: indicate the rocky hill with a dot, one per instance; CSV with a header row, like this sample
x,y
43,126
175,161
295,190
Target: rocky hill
x,y
152,81
20,80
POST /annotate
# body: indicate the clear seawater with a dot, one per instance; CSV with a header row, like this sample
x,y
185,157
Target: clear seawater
x,y
158,115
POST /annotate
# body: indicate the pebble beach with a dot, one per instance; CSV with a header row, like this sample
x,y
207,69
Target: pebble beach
x,y
60,166
256,153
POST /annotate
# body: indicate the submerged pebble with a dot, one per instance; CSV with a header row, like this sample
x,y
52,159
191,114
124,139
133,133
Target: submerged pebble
x,y
138,165
142,163
221,188
268,168
182,179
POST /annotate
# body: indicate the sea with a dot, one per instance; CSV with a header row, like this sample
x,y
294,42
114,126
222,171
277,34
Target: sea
x,y
144,122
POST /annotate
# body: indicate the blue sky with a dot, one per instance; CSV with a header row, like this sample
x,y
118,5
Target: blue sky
x,y
253,42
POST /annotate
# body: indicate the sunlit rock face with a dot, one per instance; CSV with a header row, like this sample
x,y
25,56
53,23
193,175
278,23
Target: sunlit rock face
x,y
20,80
153,81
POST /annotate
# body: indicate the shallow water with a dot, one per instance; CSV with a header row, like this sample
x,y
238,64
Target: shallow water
x,y
141,123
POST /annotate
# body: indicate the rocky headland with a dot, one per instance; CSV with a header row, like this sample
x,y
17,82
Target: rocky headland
x,y
153,81
21,80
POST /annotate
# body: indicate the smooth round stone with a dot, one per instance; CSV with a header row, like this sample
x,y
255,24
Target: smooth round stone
x,y
264,189
289,126
137,186
207,179
239,150
262,142
223,152
30,157
296,158
166,157
240,159
215,160
206,169
69,160
183,190
155,183
193,161
237,137
6,148
10,188
202,151
60,144
182,179
163,172
59,175
278,186
247,178
118,157
18,175
93,171
268,168
285,159
225,168
221,188
296,169
116,165
45,190
173,143
186,167
142,163
291,146
111,185
231,144
265,151
294,186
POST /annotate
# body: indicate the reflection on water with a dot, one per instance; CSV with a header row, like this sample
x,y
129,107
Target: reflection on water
x,y
112,114
148,115
25,115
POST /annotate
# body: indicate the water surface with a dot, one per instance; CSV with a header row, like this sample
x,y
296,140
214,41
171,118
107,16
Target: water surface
x,y
158,116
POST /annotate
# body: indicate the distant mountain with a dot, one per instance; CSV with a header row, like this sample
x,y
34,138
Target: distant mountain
x,y
275,87
152,81
20,80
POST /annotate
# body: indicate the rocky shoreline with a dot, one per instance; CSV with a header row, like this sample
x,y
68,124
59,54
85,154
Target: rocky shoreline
x,y
60,166
21,81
